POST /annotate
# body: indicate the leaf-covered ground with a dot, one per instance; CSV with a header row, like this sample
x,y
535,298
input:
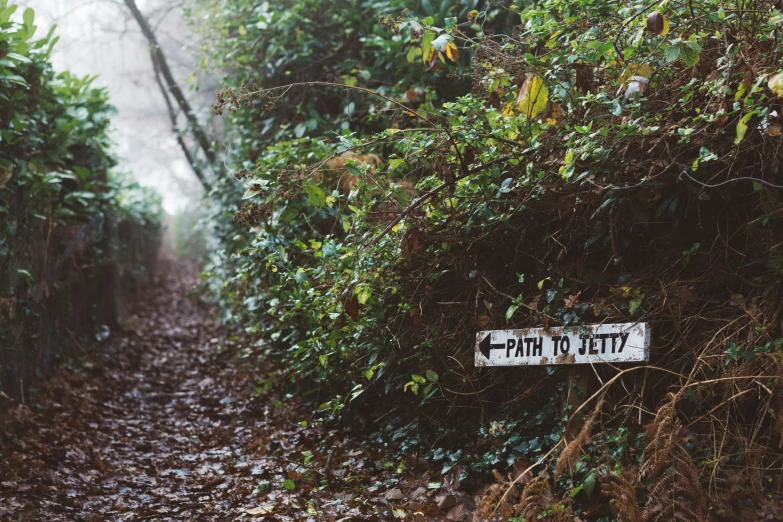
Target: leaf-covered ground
x,y
169,422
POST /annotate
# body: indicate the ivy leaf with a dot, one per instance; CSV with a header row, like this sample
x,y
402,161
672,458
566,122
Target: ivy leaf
x,y
589,483
672,52
690,53
262,487
426,45
362,294
452,52
329,248
289,484
395,163
532,97
635,304
316,195
742,127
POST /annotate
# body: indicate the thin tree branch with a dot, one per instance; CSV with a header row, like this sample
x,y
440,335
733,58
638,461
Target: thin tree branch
x,y
160,62
173,117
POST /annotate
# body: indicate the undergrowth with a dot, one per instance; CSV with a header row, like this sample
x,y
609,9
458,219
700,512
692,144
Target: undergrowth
x,y
410,182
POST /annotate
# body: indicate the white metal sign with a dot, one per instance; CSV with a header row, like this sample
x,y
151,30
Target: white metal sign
x,y
596,343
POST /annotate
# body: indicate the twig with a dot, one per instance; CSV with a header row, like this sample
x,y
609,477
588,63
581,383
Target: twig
x,y
733,180
86,354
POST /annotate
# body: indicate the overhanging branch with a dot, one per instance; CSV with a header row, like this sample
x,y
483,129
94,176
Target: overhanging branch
x,y
161,65
173,117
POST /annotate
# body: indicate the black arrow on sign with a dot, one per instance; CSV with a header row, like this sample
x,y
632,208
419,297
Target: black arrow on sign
x,y
486,345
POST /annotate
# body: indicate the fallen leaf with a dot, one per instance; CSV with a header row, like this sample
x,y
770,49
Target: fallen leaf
x,y
774,129
521,465
261,510
458,513
446,502
394,494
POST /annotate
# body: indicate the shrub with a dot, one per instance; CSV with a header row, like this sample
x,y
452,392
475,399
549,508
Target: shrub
x,y
608,164
68,224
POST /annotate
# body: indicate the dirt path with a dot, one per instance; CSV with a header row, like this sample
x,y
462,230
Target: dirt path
x,y
168,424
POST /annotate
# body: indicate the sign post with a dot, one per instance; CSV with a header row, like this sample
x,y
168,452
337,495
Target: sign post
x,y
597,343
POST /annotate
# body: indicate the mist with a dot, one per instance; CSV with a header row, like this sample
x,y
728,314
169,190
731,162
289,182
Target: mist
x,y
99,37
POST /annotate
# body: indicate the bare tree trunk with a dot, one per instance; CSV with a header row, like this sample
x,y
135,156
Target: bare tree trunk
x,y
162,67
173,117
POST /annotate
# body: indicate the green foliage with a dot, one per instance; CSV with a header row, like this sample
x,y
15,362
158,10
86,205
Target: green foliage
x,y
57,194
388,218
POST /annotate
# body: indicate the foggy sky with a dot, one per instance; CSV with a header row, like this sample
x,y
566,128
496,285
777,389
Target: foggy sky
x,y
99,37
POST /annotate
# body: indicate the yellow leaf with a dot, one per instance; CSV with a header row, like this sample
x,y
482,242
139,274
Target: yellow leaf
x,y
508,110
432,55
740,92
452,52
532,97
260,510
635,69
556,111
665,29
775,84
552,39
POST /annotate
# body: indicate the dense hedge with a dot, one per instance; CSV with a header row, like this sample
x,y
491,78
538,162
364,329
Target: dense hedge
x,y
353,44
594,163
74,237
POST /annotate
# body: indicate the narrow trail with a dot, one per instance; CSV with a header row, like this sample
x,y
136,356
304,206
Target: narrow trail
x,y
167,423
